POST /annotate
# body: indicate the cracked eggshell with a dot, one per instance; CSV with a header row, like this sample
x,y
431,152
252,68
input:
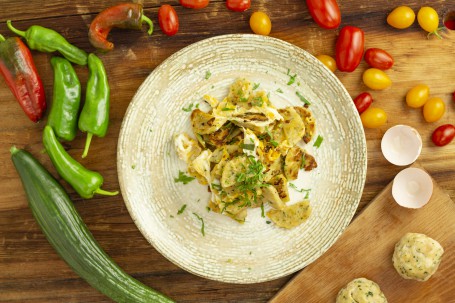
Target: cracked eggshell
x,y
412,188
401,145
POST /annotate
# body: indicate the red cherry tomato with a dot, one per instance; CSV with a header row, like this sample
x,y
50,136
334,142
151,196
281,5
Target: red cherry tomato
x,y
168,19
363,101
453,96
194,3
325,13
443,135
238,5
349,48
378,58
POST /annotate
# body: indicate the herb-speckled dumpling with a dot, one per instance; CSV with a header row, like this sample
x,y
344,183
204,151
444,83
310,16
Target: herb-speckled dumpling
x,y
361,290
417,256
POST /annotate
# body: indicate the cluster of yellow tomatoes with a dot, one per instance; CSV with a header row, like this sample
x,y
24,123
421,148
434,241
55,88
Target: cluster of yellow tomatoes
x,y
403,17
433,108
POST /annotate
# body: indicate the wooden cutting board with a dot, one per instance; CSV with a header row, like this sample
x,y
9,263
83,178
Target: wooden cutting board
x,y
365,250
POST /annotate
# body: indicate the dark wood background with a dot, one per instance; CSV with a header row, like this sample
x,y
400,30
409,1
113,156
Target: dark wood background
x,y
30,270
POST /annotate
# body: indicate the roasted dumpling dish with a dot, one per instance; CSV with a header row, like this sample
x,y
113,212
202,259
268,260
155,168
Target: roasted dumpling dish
x,y
246,150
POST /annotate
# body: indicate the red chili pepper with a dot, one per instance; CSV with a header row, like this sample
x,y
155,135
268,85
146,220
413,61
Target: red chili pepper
x,y
19,72
124,15
325,13
349,48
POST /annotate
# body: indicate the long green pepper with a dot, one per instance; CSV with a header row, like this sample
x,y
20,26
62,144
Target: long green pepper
x,y
85,182
47,40
66,100
94,118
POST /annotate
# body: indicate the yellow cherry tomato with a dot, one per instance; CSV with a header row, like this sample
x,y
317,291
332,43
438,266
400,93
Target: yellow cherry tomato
x,y
417,96
260,23
401,17
376,79
373,117
328,61
434,109
428,19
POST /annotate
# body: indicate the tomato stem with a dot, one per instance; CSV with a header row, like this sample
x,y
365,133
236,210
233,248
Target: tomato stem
x,y
436,33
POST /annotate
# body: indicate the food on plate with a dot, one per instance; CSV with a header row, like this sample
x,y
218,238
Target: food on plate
x,y
325,13
428,20
361,290
443,135
246,151
48,41
378,58
328,61
373,117
417,256
168,20
349,48
260,23
238,5
66,100
376,79
67,233
94,117
363,101
434,109
196,4
123,15
85,182
19,71
401,17
401,145
417,96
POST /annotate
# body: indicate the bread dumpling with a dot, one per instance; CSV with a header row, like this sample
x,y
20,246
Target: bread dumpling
x,y
361,290
417,256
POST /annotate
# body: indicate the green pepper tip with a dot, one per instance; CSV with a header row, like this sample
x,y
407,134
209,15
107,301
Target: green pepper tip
x,y
2,38
14,30
105,192
146,19
87,144
13,150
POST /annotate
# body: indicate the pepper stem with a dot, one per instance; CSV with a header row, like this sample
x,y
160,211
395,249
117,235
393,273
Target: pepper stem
x,y
146,19
2,38
87,144
105,192
15,30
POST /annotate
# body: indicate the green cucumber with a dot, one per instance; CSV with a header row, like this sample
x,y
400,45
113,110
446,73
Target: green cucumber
x,y
70,237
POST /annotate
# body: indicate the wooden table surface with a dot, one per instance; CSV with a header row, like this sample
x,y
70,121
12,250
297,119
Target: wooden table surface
x,y
31,271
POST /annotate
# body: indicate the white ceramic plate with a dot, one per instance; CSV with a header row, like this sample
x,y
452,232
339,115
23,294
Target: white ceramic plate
x,y
147,163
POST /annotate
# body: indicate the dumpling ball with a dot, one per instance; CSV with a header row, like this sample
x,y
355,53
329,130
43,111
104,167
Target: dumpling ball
x,y
361,290
417,256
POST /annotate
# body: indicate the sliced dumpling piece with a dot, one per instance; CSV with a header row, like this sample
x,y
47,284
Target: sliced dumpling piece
x,y
417,256
292,126
308,121
290,216
281,185
309,162
187,148
293,163
231,170
270,194
361,290
200,167
205,123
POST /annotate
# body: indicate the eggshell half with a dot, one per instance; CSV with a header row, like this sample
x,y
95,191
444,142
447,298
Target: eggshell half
x,y
401,145
412,188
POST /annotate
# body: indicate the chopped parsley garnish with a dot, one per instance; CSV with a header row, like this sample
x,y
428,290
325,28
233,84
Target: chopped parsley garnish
x,y
248,146
171,216
369,294
279,90
250,180
208,209
262,214
183,178
291,79
288,72
197,105
256,85
189,108
225,109
202,221
257,101
302,98
301,190
133,166
268,133
208,74
216,186
268,222
303,161
182,209
318,141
